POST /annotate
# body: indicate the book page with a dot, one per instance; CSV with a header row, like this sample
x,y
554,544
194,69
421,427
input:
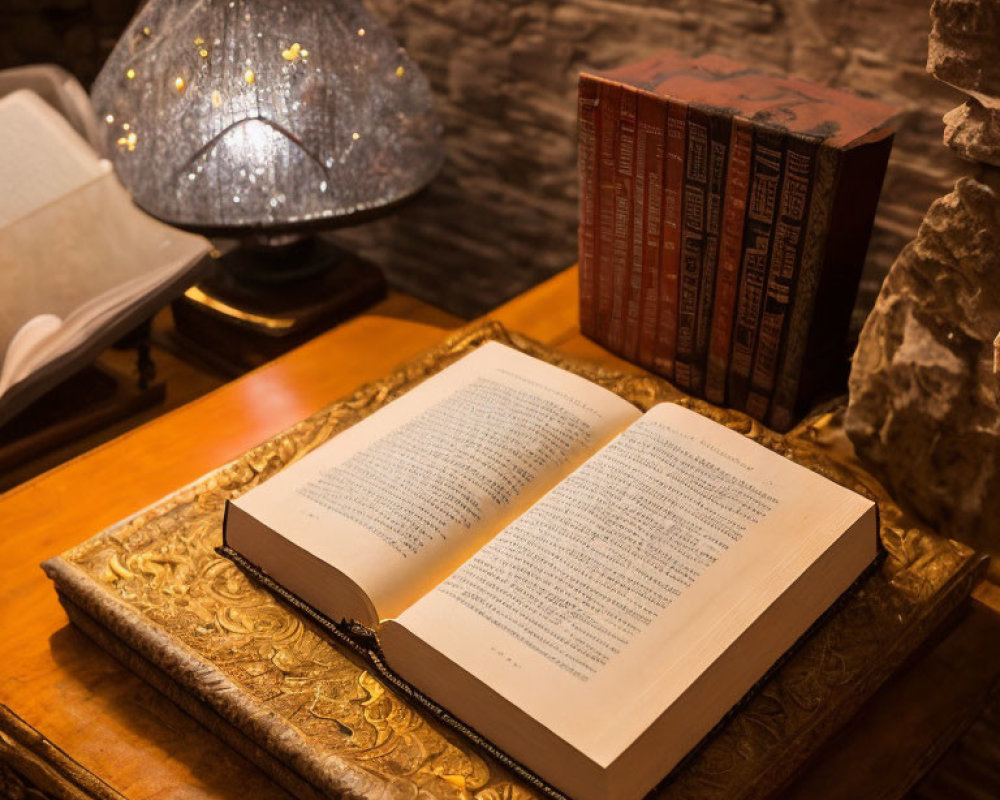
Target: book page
x,y
41,156
85,258
601,605
73,246
398,501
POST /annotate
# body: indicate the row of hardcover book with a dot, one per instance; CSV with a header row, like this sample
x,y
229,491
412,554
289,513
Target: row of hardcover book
x,y
704,236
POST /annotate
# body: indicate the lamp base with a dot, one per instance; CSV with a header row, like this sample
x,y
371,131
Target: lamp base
x,y
261,300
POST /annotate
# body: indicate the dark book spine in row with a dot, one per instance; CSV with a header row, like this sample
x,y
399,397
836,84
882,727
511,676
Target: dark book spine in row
x,y
786,254
765,170
845,195
608,105
637,214
621,251
650,153
782,411
730,256
720,128
692,243
588,116
665,347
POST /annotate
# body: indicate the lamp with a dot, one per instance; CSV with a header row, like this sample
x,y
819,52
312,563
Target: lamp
x,y
267,121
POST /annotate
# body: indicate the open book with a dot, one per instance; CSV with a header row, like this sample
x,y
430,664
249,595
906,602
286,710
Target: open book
x,y
589,587
79,264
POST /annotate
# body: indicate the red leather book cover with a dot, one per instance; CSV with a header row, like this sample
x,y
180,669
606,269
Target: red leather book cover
x,y
608,106
587,115
621,249
720,129
650,152
665,347
720,324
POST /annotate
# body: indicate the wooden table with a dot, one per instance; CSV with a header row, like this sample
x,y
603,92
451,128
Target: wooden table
x,y
118,728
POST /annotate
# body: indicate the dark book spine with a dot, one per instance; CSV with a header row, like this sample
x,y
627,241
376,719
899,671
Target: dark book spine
x,y
665,348
652,116
786,255
608,102
841,215
692,242
765,170
730,253
621,252
782,413
587,115
633,293
720,127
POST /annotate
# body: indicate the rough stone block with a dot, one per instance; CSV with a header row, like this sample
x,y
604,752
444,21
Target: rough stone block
x,y
924,407
973,131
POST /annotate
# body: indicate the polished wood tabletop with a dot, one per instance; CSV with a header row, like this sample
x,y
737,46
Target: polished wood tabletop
x,y
137,741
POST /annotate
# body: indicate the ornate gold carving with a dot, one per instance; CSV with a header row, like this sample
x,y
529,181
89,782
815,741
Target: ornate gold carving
x,y
273,675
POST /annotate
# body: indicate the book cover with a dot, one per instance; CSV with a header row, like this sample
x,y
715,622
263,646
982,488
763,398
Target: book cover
x,y
730,256
815,360
652,137
707,330
665,347
609,102
796,185
693,242
758,241
720,128
588,117
621,245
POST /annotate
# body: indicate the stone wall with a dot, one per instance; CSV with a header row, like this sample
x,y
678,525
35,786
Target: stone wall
x,y
502,214
75,34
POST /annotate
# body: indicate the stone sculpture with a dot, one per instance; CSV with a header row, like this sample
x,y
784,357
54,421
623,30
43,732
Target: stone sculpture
x,y
924,408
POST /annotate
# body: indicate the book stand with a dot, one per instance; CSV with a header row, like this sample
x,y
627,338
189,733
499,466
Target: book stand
x,y
154,592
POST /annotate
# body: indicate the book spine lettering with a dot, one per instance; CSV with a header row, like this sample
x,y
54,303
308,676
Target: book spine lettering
x,y
782,414
652,131
587,114
608,103
692,242
841,213
730,252
624,188
673,194
768,157
786,254
720,128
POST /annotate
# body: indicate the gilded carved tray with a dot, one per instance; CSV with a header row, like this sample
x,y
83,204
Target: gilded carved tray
x,y
153,591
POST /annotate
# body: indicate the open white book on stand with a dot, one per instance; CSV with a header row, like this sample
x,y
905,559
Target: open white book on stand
x,y
80,264
589,587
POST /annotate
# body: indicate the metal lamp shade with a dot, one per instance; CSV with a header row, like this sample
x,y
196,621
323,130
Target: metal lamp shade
x,y
236,115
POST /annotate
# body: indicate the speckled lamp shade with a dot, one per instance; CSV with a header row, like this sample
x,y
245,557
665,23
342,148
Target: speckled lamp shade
x,y
229,116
